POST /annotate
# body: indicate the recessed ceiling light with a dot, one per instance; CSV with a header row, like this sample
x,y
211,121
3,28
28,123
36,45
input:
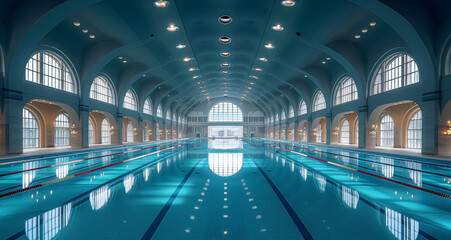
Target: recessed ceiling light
x,y
254,77
77,24
323,62
225,64
92,36
180,46
251,83
269,46
120,57
372,24
357,36
225,72
225,19
364,30
305,76
225,54
196,77
192,69
249,88
172,28
258,69
85,30
225,39
187,59
161,3
125,61
328,58
263,59
288,3
277,27
144,75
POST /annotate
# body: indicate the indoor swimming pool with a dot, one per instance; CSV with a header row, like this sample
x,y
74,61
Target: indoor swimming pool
x,y
224,189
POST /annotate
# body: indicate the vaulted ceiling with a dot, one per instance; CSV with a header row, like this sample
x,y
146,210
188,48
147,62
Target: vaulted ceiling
x,y
276,54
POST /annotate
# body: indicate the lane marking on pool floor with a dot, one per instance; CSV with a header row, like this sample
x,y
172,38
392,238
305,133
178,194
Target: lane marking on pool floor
x,y
159,218
92,170
360,171
294,217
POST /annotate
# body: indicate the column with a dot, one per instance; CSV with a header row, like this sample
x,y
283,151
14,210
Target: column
x,y
84,129
13,102
119,127
328,126
309,129
430,109
140,129
363,118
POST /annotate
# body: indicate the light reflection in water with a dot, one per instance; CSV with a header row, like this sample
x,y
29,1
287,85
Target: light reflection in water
x,y
386,167
320,182
416,176
99,197
146,174
52,222
225,164
129,180
62,170
349,196
402,227
304,173
28,177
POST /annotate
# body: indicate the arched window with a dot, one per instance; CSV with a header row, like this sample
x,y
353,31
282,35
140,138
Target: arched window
x,y
174,118
277,117
159,111
282,115
168,115
272,119
62,130
50,70
130,101
319,133
106,133
146,132
344,136
30,131
129,132
101,90
346,91
414,132
291,112
319,102
90,132
147,108
387,131
225,112
398,71
302,107
356,132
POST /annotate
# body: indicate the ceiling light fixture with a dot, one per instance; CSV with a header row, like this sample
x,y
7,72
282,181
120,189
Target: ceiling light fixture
x,y
357,36
225,64
263,59
77,24
254,77
269,46
85,30
180,46
161,3
258,69
288,3
187,59
196,77
328,58
225,39
372,24
125,61
192,69
225,19
277,27
225,72
364,30
225,54
92,36
172,28
323,62
120,58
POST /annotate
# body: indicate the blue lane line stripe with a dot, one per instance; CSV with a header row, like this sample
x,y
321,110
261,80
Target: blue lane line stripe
x,y
297,221
156,222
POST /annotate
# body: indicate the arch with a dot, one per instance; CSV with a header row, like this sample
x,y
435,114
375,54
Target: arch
x,y
102,90
147,107
225,112
105,131
168,114
345,132
346,91
290,112
91,131
395,71
282,115
319,102
414,131
49,69
159,111
130,100
62,130
302,107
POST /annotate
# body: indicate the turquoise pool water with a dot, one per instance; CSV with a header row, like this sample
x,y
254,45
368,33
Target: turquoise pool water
x,y
225,189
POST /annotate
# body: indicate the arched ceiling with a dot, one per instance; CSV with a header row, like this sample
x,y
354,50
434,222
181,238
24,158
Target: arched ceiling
x,y
130,41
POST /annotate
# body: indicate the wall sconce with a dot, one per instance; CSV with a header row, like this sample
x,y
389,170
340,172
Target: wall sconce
x,y
447,131
73,130
373,130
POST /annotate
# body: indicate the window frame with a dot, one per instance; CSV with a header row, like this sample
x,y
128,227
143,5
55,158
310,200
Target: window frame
x,y
133,98
97,95
225,112
318,106
348,93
